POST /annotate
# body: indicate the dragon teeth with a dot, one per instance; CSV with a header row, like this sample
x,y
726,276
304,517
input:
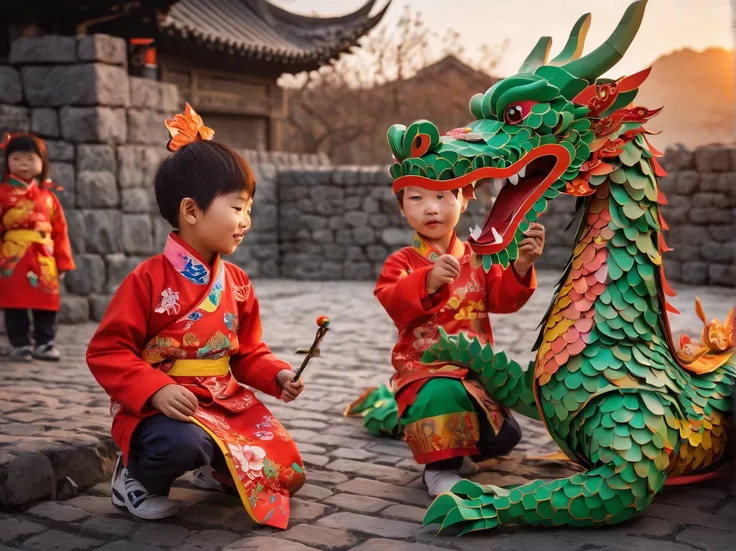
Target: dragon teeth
x,y
496,236
497,184
475,232
522,172
514,179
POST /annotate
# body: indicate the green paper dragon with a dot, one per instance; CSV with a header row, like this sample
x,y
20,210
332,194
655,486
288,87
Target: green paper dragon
x,y
608,382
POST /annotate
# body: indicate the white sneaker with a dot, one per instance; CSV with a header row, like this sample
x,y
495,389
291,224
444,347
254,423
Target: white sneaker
x,y
439,482
21,354
202,478
128,493
47,352
468,468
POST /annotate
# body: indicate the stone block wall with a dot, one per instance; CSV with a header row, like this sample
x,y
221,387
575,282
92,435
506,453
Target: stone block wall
x,y
342,222
701,210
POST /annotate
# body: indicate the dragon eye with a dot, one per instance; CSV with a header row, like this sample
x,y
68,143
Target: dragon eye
x,y
517,112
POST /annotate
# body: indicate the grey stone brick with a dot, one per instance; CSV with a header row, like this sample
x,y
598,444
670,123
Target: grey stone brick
x,y
98,305
137,235
383,490
104,48
10,87
74,309
84,84
146,127
263,543
29,477
370,525
111,527
14,118
59,150
59,512
712,158
89,276
93,124
15,528
318,536
103,235
165,535
149,94
96,158
138,200
63,175
45,122
43,49
137,165
97,190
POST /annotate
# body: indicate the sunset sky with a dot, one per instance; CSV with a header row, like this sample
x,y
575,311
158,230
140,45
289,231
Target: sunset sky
x,y
668,24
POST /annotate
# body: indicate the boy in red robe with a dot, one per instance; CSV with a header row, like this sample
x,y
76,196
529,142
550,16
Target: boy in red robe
x,y
181,333
437,282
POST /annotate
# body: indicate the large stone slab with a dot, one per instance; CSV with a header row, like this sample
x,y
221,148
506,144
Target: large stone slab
x,y
10,87
146,126
104,48
97,189
43,49
158,96
14,118
85,84
137,165
45,122
93,124
96,157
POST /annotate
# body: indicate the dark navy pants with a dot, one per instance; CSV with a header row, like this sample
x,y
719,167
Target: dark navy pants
x,y
162,449
18,326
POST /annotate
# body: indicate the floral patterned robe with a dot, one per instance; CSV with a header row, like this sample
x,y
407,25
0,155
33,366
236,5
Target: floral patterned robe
x,y
176,307
462,306
34,245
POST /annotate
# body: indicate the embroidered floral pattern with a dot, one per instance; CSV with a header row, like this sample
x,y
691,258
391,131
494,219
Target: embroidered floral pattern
x,y
231,321
191,340
169,302
241,292
212,420
188,266
195,271
247,458
216,347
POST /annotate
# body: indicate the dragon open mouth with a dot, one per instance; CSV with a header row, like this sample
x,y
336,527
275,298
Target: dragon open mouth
x,y
526,181
518,194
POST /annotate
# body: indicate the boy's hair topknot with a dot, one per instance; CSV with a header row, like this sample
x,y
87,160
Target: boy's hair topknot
x,y
201,170
26,142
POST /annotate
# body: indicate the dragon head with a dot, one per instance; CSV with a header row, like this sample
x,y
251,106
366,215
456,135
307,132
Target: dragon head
x,y
541,132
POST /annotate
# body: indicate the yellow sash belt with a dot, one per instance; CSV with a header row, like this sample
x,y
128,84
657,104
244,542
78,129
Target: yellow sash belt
x,y
26,237
200,368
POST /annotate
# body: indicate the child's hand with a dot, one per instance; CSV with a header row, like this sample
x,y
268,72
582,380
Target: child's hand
x,y
445,270
530,248
175,402
289,389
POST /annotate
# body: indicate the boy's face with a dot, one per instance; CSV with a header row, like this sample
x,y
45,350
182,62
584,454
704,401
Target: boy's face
x,y
432,214
25,164
227,220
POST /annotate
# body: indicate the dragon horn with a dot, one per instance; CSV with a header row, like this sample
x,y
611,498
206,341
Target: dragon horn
x,y
574,46
597,62
538,55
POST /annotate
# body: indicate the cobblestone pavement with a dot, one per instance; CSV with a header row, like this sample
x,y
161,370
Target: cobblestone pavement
x,y
362,493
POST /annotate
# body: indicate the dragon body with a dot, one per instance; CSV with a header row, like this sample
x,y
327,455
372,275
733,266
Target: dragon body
x,y
608,382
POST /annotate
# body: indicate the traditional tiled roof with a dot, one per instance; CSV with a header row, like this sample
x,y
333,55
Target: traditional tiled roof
x,y
258,29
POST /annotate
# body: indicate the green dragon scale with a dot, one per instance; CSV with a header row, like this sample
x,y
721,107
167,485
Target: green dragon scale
x,y
607,382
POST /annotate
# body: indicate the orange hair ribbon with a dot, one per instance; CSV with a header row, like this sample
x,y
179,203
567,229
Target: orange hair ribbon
x,y
187,128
